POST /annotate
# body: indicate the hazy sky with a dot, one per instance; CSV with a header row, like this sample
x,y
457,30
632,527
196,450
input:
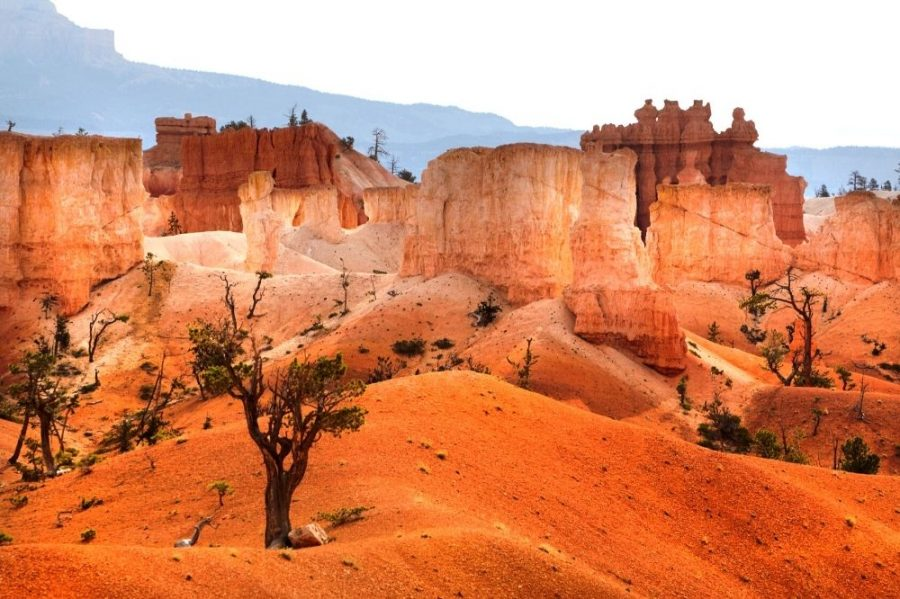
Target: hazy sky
x,y
809,73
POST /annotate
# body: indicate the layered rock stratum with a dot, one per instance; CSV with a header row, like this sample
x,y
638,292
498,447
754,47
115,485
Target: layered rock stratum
x,y
68,215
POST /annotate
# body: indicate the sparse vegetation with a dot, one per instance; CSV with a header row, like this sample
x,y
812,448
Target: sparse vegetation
x,y
377,149
343,515
384,370
87,503
347,143
18,501
878,346
846,378
409,347
173,226
443,343
88,535
406,175
857,457
796,346
258,292
5,539
149,269
713,333
100,321
222,488
523,368
486,312
723,432
681,388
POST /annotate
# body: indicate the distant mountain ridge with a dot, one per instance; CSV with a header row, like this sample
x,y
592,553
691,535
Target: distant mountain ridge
x,y
832,166
55,74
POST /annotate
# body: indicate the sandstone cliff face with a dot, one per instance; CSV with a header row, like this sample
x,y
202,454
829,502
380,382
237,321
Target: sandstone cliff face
x,y
534,220
860,240
500,215
673,144
68,215
714,234
391,204
612,294
310,155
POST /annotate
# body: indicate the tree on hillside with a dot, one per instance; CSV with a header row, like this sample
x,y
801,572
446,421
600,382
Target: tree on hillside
x,y
377,149
856,181
857,458
293,119
304,117
10,124
100,321
886,186
306,400
794,345
40,394
873,184
822,192
406,175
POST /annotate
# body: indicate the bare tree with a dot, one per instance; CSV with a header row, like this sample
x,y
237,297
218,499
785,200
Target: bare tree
x,y
377,149
523,368
100,321
229,300
858,409
10,124
258,292
345,285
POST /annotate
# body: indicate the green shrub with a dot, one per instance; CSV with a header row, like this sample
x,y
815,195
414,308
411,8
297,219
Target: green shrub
x,y
343,515
5,539
384,370
766,443
409,347
723,432
857,458
443,343
486,312
87,504
88,535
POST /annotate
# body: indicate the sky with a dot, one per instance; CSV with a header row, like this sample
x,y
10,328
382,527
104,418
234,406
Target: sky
x,y
814,74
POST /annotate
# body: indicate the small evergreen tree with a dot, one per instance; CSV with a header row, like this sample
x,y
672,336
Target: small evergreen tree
x,y
223,488
723,432
293,119
713,333
523,369
406,175
173,226
822,191
857,458
304,118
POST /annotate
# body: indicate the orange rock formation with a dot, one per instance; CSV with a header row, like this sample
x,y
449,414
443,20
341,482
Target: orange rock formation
x,y
162,162
714,233
671,141
860,241
533,220
298,157
68,214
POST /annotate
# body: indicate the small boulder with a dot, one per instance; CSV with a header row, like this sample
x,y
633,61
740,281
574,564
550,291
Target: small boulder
x,y
311,535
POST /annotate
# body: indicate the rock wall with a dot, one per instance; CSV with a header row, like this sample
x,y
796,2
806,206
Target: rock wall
x,y
612,294
68,215
534,220
162,162
298,157
671,141
391,204
714,234
861,240
500,215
